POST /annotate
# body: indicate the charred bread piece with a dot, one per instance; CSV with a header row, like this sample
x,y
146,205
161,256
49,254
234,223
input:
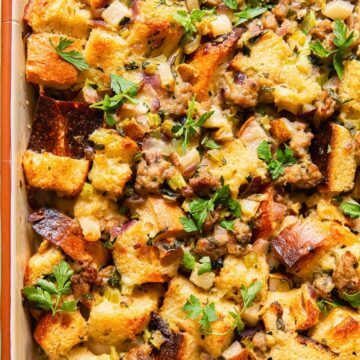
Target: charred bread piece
x,y
61,231
45,67
68,17
58,334
57,145
206,61
340,331
333,151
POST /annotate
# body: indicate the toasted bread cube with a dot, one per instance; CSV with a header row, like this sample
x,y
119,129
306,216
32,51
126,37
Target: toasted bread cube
x,y
68,17
333,151
51,172
235,352
290,346
206,61
340,331
115,13
235,274
236,163
82,353
58,334
138,262
97,4
113,323
106,50
164,215
281,129
41,264
291,310
349,90
96,212
111,168
294,84
177,295
44,66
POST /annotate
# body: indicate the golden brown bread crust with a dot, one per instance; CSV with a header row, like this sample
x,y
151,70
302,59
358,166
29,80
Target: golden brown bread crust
x,y
207,59
63,127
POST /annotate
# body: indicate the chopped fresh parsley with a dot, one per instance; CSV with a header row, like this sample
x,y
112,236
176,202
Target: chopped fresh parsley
x,y
124,90
188,20
232,4
114,279
275,166
47,294
350,209
342,40
205,265
199,209
188,260
191,126
324,305
227,224
73,57
208,143
352,299
194,310
247,14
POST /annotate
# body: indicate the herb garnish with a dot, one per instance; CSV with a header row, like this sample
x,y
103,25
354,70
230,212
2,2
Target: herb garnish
x,y
324,305
200,208
73,57
47,294
275,166
191,126
350,209
124,90
247,14
194,309
342,41
352,299
232,4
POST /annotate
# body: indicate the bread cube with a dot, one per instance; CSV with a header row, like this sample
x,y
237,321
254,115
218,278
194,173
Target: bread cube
x,y
333,151
291,310
51,172
57,335
206,61
272,59
82,353
41,264
45,67
113,323
281,130
111,167
177,295
340,331
68,17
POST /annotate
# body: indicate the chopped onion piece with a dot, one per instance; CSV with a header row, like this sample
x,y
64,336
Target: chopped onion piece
x,y
338,9
116,12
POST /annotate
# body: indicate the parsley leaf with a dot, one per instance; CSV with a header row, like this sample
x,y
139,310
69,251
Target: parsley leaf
x,y
324,305
352,299
249,293
188,260
247,14
194,309
234,207
73,57
342,41
188,20
208,143
191,126
232,4
350,209
227,224
275,166
188,224
42,293
205,265
124,90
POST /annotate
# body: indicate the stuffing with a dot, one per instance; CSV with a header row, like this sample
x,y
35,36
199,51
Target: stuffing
x,y
69,327
115,320
111,167
68,17
44,66
340,330
82,353
293,84
96,213
51,172
333,151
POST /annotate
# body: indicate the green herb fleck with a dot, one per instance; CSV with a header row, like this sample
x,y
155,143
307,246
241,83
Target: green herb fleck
x,y
350,209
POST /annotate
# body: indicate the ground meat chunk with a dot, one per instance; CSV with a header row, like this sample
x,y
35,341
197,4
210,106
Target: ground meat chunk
x,y
300,140
345,277
204,183
209,246
304,175
323,285
152,171
287,27
325,107
269,22
241,90
322,29
240,238
178,103
281,9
